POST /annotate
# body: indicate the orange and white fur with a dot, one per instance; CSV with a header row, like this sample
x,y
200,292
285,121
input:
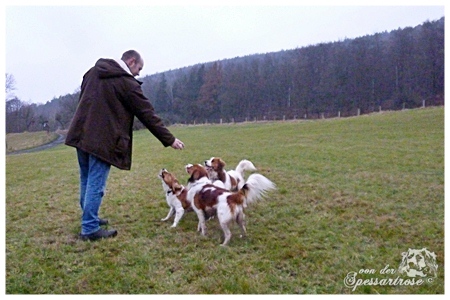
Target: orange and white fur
x,y
205,179
206,197
233,180
176,196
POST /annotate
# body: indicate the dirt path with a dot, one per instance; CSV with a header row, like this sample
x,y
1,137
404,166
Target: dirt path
x,y
52,144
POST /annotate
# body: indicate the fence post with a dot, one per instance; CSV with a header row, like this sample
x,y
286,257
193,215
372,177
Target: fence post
x,y
339,114
358,112
423,103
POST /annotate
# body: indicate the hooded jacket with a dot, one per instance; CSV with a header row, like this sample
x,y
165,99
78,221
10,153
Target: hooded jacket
x,y
110,98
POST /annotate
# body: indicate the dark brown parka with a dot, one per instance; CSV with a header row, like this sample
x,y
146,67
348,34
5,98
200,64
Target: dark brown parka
x,y
103,123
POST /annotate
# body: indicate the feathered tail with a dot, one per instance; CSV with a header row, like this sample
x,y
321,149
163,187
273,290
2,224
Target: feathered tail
x,y
245,165
256,188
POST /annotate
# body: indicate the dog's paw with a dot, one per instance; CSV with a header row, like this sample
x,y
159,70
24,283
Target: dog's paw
x,y
173,225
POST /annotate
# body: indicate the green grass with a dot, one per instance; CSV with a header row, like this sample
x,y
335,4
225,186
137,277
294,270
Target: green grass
x,y
352,194
27,140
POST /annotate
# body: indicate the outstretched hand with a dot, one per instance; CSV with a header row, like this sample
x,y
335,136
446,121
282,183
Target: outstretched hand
x,y
177,144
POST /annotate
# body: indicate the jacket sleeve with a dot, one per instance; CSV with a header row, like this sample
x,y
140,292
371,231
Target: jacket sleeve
x,y
142,108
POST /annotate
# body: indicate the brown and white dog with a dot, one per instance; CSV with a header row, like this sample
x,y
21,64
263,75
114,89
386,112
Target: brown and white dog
x,y
233,180
202,178
206,197
176,196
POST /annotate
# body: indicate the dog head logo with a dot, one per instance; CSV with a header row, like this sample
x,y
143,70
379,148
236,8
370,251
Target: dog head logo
x,y
418,263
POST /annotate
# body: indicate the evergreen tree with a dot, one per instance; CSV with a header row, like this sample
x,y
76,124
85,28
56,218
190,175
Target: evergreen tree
x,y
208,99
163,100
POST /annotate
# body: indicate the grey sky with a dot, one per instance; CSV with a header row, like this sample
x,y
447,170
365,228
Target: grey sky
x,y
49,48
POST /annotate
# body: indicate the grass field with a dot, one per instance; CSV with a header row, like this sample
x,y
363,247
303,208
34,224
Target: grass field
x,y
353,194
27,140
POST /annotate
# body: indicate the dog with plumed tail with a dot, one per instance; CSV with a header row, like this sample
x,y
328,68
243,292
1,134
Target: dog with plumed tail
x,y
229,206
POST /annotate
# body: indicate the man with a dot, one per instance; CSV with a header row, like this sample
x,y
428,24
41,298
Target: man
x,y
102,131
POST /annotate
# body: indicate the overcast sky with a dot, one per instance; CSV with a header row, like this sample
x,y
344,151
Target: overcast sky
x,y
49,48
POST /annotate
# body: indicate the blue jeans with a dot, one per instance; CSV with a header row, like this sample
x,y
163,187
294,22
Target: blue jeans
x,y
93,175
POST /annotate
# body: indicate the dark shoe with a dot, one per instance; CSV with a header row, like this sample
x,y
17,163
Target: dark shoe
x,y
102,222
99,234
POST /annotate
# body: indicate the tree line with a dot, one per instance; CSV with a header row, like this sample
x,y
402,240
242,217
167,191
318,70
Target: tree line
x,y
387,70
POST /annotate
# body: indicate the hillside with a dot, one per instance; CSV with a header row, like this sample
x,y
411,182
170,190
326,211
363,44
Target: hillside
x,y
393,70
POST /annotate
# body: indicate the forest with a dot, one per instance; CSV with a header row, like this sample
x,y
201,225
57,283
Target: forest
x,y
394,70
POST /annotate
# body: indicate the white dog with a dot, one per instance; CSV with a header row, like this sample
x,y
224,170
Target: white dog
x,y
175,196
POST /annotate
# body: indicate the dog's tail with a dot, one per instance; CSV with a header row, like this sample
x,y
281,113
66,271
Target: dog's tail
x,y
256,188
245,165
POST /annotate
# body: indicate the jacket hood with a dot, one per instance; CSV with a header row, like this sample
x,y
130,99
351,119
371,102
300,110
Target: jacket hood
x,y
108,68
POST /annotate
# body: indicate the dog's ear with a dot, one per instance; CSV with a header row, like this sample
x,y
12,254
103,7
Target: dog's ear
x,y
194,176
218,163
222,163
197,173
176,187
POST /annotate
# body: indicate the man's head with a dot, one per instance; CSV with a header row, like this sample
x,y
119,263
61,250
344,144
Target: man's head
x,y
134,61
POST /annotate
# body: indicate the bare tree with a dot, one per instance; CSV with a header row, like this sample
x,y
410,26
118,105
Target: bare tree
x,y
68,106
27,116
10,85
13,107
